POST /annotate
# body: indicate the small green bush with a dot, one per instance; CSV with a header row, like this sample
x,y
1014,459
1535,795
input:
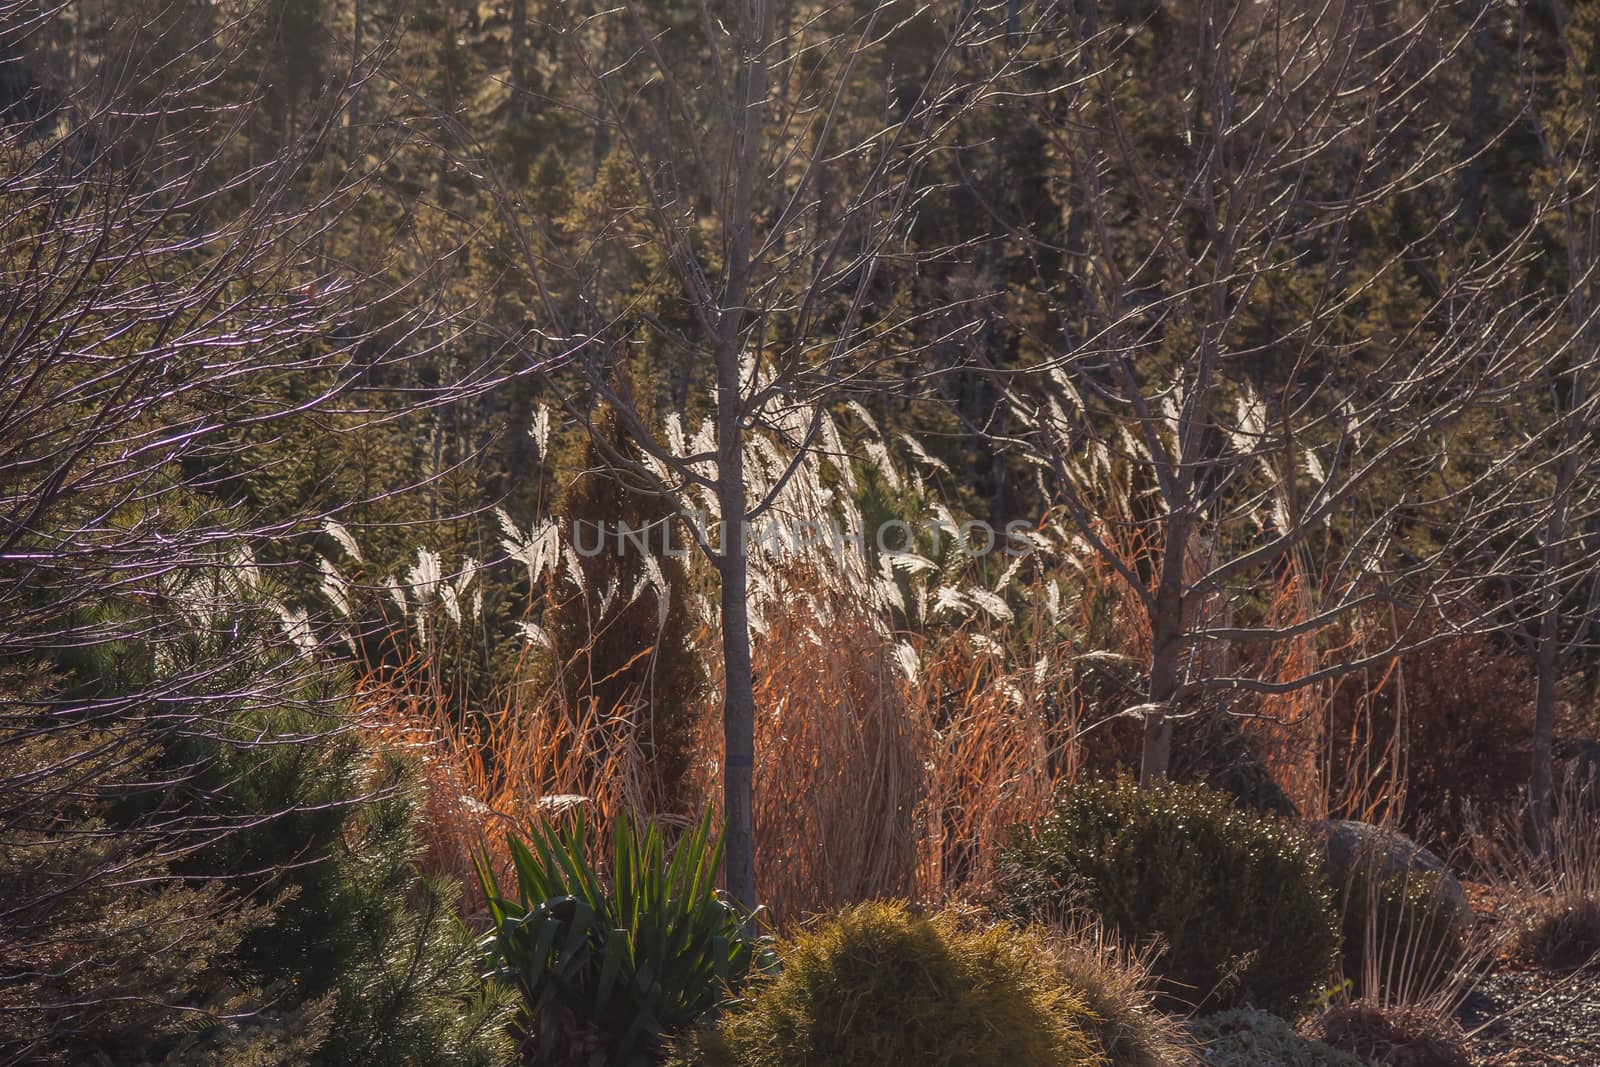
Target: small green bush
x,y
1400,930
1236,896
1248,1038
879,985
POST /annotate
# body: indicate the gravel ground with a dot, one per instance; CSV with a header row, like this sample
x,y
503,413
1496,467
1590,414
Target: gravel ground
x,y
1533,1018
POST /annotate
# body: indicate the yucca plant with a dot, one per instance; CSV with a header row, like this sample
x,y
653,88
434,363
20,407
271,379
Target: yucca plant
x,y
617,962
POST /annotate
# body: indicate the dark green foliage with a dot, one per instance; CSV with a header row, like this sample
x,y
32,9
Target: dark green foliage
x,y
613,652
879,985
1235,896
102,948
1400,929
622,964
1216,752
355,923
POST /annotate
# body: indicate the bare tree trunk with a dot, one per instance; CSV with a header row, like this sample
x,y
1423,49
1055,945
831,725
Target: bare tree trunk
x,y
352,113
1547,657
739,699
1166,653
519,70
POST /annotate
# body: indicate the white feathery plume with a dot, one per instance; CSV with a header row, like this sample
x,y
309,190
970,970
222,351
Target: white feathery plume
x,y
1058,422
1010,573
539,430
396,594
657,466
1314,467
861,413
705,607
658,582
1251,421
987,645
884,462
1170,412
297,625
909,562
833,444
569,558
674,431
469,571
1280,512
887,594
1134,447
535,634
922,456
548,539
906,657
705,439
242,566
452,605
1037,541
341,535
993,606
510,537
747,370
1064,383
948,600
334,587
425,575
639,586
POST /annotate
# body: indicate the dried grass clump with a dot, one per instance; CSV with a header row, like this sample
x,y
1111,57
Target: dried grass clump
x,y
1116,986
1562,932
1404,937
995,760
502,770
1393,1036
872,781
881,770
841,761
1554,882
881,985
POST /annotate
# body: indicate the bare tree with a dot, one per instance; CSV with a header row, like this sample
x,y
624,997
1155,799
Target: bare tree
x,y
165,302
1225,358
1553,517
779,220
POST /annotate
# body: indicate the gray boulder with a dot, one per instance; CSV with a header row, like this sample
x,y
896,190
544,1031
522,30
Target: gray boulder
x,y
1345,842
